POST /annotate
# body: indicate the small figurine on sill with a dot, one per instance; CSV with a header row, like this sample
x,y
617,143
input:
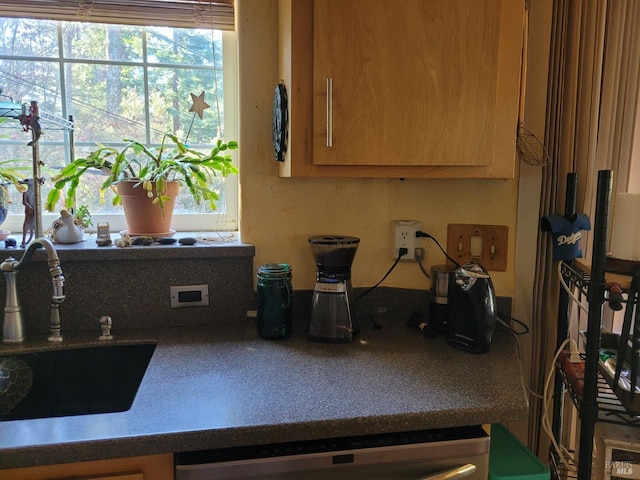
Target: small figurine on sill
x,y
66,229
104,235
124,240
29,224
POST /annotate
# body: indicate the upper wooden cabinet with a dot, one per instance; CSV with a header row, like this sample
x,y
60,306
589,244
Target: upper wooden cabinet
x,y
418,88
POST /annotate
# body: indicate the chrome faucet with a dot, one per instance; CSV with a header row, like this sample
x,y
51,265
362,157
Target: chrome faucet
x,y
13,328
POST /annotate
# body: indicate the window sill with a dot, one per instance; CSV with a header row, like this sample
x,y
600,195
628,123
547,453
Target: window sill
x,y
89,250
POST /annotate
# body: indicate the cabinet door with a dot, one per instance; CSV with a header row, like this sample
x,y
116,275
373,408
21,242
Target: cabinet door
x,y
418,88
405,83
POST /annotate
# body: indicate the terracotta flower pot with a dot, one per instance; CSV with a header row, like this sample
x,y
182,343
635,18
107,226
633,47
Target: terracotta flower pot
x,y
142,216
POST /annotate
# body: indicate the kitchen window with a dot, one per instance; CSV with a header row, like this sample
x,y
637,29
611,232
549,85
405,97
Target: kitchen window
x,y
117,82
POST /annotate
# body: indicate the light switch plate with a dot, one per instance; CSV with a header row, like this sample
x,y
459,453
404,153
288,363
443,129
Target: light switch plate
x,y
484,244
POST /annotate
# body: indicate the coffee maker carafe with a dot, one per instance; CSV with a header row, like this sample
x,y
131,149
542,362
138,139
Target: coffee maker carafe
x,y
332,317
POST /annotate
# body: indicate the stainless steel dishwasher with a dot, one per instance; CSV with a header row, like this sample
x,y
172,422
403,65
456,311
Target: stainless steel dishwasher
x,y
451,453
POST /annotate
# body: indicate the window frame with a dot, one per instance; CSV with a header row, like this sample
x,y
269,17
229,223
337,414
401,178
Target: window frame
x,y
213,221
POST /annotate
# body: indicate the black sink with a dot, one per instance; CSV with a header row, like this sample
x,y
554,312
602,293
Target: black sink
x,y
64,381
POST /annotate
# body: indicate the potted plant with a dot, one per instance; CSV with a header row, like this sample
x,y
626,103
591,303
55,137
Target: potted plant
x,y
10,175
149,176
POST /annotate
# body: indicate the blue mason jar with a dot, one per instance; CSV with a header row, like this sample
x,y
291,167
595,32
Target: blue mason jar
x,y
274,300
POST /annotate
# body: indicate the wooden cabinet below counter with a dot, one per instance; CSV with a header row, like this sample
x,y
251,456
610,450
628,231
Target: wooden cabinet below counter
x,y
154,467
414,89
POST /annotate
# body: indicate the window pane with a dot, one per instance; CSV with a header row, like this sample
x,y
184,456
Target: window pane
x,y
183,46
27,80
102,42
29,38
170,101
107,101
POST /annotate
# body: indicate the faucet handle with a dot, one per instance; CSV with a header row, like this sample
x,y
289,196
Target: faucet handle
x,y
105,325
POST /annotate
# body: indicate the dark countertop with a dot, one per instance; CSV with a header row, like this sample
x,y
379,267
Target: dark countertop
x,y
223,387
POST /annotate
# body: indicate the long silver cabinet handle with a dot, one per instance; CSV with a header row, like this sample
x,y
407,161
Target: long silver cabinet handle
x,y
329,112
456,473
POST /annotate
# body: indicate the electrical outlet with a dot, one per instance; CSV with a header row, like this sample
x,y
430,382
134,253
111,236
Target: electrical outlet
x,y
403,235
189,296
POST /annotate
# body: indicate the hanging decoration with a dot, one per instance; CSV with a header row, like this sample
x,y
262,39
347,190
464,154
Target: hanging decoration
x,y
280,121
567,229
198,107
85,8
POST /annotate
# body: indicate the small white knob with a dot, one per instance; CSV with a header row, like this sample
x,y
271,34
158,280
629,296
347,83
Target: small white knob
x,y
105,325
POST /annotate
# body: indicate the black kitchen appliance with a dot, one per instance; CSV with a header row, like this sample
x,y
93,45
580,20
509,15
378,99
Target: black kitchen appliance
x,y
472,309
332,317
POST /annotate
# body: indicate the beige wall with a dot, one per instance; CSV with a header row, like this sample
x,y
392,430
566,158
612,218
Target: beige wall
x,y
530,183
279,214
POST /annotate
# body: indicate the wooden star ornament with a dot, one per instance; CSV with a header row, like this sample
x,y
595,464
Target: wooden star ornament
x,y
199,105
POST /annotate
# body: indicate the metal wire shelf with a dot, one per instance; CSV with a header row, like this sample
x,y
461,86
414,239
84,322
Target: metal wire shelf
x,y
576,275
560,471
610,409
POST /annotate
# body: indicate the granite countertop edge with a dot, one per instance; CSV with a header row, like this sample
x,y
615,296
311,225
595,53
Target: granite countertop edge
x,y
252,415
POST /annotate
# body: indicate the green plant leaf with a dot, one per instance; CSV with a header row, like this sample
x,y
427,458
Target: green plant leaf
x,y
171,160
52,199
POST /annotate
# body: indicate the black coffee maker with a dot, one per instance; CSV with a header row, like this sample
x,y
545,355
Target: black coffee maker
x,y
472,309
332,317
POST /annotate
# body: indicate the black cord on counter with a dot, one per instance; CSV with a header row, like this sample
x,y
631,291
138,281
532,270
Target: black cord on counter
x,y
503,319
402,252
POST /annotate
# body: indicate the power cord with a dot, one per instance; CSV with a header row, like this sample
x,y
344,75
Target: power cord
x,y
420,234
568,290
503,319
546,401
519,351
401,253
547,396
420,254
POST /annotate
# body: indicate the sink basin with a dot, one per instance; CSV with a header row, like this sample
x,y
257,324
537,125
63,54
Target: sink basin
x,y
64,381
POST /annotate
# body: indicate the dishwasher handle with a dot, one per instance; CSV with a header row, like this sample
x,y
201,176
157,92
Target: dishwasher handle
x,y
454,474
